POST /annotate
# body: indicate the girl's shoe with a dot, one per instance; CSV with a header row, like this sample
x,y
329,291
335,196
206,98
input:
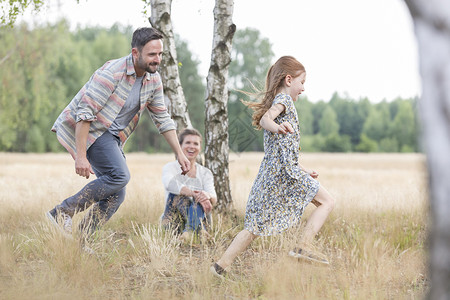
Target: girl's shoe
x,y
309,255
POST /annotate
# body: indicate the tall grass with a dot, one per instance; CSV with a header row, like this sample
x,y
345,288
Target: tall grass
x,y
375,237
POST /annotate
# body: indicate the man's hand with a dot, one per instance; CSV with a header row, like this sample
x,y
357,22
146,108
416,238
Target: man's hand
x,y
83,167
184,163
172,140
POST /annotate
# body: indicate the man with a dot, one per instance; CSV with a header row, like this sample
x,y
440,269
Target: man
x,y
98,121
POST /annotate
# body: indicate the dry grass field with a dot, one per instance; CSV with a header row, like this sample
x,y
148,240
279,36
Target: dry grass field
x,y
375,237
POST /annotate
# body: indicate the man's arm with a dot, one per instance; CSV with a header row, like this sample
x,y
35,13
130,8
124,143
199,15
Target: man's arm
x,y
82,165
172,140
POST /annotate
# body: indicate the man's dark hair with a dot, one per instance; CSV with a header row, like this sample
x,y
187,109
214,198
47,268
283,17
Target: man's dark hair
x,y
143,35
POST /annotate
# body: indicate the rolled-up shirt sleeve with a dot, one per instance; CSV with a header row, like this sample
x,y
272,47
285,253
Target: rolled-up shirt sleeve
x,y
96,92
158,111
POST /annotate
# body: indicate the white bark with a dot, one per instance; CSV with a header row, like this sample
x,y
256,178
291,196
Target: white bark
x,y
432,26
216,119
161,20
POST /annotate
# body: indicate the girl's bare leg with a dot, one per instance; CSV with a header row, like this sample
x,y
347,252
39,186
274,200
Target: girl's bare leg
x,y
239,244
325,204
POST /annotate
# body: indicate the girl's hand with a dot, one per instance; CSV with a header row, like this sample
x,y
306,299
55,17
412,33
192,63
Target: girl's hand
x,y
285,128
312,173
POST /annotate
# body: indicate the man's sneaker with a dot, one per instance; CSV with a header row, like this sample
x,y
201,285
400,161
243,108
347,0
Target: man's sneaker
x,y
62,222
309,255
218,271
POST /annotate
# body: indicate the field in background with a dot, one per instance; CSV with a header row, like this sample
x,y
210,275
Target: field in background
x,y
375,237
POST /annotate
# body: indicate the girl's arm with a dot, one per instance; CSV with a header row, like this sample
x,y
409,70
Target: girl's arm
x,y
311,172
267,122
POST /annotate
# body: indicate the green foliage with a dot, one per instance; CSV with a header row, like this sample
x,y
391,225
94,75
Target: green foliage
x,y
328,124
251,57
337,143
11,9
305,116
403,127
388,145
366,144
35,140
312,143
193,84
350,115
377,123
41,69
242,135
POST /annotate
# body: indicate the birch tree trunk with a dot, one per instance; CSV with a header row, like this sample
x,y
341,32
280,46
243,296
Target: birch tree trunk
x,y
216,119
161,20
432,26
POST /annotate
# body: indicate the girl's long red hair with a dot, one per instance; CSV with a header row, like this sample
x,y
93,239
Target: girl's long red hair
x,y
285,65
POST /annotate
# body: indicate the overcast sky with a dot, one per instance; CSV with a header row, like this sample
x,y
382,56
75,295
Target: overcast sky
x,y
360,48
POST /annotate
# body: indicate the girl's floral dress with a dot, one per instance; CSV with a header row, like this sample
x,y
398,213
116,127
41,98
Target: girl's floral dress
x,y
281,189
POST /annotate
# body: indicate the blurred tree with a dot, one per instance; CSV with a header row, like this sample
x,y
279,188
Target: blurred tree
x,y
403,127
377,123
251,58
24,102
328,122
388,145
350,115
312,143
366,144
432,27
11,9
53,64
305,115
192,83
337,143
317,111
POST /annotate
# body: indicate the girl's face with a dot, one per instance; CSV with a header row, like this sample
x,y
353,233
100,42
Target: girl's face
x,y
296,85
191,146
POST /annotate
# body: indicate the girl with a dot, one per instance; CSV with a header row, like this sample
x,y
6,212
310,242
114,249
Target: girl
x,y
283,187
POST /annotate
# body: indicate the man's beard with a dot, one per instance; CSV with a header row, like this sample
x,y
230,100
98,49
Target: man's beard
x,y
145,66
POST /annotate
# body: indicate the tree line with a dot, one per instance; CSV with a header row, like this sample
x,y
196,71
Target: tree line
x,y
43,67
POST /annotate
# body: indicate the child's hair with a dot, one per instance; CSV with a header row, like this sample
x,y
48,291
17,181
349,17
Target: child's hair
x,y
285,65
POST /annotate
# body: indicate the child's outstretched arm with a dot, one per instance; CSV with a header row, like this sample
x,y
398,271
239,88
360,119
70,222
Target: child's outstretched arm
x,y
267,122
311,172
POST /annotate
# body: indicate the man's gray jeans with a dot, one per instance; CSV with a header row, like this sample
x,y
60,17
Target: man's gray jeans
x,y
105,193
